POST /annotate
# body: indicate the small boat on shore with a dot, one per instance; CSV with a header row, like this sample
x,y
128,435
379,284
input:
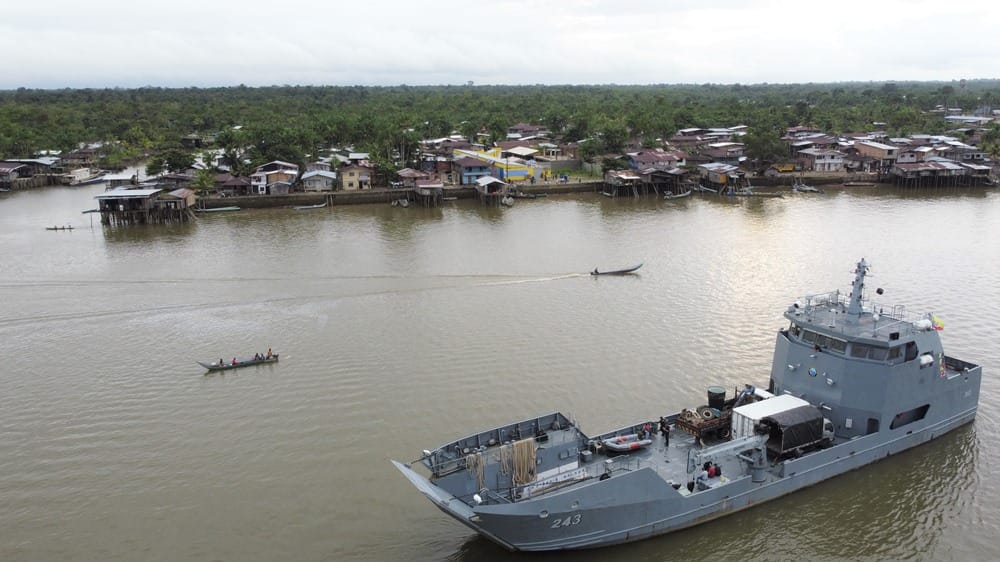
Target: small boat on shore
x,y
803,188
307,207
672,195
523,195
625,271
859,184
237,363
218,210
749,192
84,176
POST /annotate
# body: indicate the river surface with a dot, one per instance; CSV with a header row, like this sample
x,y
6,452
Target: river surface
x,y
400,329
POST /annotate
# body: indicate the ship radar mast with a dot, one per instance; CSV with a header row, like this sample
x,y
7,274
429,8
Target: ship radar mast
x,y
854,309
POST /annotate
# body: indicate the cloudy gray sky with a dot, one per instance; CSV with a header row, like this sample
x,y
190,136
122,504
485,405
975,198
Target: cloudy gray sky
x,y
128,43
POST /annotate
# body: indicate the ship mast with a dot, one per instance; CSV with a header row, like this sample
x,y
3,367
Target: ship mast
x,y
854,309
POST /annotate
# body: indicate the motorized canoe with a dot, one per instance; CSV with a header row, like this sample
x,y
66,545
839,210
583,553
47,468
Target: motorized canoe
x,y
672,195
616,271
803,188
218,210
58,228
523,195
307,207
226,365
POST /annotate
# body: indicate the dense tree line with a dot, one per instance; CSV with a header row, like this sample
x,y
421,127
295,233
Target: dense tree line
x,y
292,123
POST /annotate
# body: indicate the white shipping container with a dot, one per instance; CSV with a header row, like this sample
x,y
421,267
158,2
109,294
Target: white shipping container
x,y
746,417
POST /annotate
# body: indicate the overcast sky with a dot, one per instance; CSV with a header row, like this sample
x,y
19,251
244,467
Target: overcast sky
x,y
130,43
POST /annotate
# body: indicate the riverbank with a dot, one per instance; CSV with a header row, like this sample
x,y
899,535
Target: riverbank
x,y
814,178
375,195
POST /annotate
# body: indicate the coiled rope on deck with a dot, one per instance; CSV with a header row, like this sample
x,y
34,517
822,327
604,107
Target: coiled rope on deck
x,y
524,461
506,459
474,464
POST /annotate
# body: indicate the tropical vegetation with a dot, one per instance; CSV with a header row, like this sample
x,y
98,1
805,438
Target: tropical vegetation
x,y
294,123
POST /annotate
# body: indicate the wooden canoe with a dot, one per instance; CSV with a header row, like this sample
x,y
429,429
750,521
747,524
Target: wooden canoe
x,y
617,271
239,363
307,207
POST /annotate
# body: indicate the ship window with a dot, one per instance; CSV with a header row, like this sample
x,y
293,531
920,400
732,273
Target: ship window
x,y
895,352
859,350
909,416
911,351
822,341
840,346
878,353
808,336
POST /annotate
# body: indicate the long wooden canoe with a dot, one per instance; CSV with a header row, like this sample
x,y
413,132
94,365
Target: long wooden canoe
x,y
239,363
307,207
218,210
616,271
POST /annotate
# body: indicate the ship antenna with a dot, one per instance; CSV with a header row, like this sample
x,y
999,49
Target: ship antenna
x,y
854,308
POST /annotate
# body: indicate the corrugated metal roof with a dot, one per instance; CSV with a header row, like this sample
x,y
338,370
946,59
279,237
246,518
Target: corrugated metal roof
x,y
182,193
127,194
43,160
321,173
487,180
522,151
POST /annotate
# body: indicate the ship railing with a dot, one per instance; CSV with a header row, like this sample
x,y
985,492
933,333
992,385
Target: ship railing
x,y
627,463
451,456
894,317
955,367
486,496
514,494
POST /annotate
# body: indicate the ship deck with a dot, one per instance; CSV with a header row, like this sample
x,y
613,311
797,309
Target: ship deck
x,y
670,461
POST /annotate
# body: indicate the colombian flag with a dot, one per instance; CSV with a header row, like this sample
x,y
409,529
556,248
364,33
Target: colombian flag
x,y
937,323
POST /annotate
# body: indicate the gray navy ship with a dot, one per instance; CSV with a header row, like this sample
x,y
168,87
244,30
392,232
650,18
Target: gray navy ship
x,y
852,382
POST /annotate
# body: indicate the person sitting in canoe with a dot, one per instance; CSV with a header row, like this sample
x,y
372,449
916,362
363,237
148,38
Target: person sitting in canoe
x,y
595,271
269,353
234,360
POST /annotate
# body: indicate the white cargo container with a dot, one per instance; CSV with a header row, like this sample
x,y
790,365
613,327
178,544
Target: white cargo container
x,y
745,417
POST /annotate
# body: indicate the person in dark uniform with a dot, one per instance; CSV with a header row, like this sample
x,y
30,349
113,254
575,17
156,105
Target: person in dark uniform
x,y
665,430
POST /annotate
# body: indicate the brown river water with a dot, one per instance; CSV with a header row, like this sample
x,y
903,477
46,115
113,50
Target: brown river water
x,y
402,328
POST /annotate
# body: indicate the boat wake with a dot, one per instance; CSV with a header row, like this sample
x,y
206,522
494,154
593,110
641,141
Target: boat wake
x,y
86,314
534,280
